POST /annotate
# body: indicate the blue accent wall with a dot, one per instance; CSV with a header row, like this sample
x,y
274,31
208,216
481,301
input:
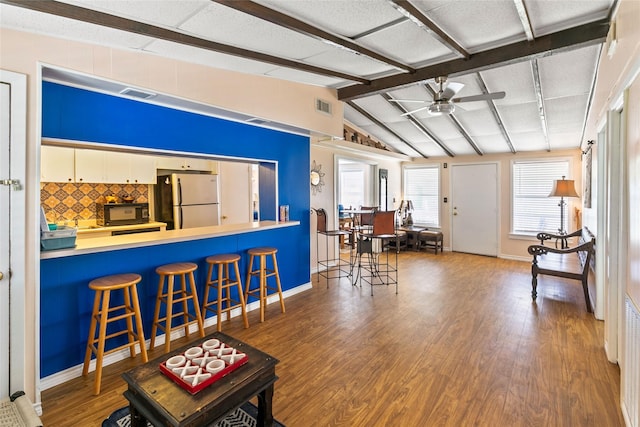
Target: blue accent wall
x,y
76,114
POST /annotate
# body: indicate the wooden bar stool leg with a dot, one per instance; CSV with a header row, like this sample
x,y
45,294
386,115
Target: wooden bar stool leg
x,y
185,303
169,314
156,314
279,286
205,301
92,332
219,303
196,304
263,284
104,312
249,275
139,330
243,305
130,334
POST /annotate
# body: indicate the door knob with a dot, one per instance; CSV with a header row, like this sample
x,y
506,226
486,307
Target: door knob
x,y
1,275
455,213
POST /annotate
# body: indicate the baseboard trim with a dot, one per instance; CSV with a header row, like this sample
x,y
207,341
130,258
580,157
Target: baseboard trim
x,y
76,371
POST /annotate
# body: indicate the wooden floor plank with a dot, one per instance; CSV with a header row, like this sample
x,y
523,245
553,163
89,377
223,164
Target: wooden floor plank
x,y
461,344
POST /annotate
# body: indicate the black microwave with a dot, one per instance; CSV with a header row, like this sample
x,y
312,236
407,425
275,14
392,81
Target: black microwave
x,y
109,214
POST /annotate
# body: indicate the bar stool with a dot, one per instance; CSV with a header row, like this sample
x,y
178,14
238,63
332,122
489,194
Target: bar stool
x,y
263,273
224,302
173,296
100,315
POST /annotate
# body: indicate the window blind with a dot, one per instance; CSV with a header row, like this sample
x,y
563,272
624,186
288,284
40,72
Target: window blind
x,y
422,187
532,208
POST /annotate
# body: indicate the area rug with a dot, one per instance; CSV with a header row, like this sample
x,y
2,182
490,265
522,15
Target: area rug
x,y
244,416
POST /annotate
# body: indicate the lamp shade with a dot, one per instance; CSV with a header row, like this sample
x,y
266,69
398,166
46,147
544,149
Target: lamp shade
x,y
563,188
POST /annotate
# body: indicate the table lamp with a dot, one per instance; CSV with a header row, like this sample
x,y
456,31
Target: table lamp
x,y
563,188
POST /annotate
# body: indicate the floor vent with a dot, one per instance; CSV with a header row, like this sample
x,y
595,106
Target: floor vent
x,y
136,93
323,106
630,368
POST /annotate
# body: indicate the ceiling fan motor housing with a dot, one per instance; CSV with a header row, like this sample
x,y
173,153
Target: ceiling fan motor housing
x,y
440,108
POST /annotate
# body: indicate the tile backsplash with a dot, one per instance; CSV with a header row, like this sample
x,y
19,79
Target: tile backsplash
x,y
69,201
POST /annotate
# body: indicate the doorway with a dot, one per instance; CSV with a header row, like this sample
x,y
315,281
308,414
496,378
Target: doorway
x,y
13,90
355,183
474,212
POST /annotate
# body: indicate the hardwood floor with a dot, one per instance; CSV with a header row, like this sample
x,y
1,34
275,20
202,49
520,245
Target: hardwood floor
x,y
462,344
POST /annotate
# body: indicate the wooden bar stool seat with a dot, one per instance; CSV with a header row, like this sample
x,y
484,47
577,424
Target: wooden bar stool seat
x,y
263,273
223,285
173,296
103,314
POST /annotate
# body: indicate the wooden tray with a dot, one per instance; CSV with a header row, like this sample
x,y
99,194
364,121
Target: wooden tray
x,y
198,357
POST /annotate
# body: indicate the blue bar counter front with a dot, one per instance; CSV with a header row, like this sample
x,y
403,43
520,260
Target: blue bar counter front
x,y
75,114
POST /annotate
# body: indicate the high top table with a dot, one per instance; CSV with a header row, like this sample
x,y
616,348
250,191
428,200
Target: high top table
x,y
154,397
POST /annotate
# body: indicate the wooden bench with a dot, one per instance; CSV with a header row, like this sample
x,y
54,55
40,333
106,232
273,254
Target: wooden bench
x,y
554,261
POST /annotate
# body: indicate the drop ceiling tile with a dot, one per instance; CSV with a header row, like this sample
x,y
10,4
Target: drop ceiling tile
x,y
406,43
225,25
552,16
347,62
459,146
569,73
479,122
528,141
338,16
378,107
351,115
565,140
491,144
515,79
441,126
207,57
156,12
520,118
26,20
566,113
475,25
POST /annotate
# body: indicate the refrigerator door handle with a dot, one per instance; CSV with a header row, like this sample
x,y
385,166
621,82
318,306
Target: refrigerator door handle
x,y
181,218
179,193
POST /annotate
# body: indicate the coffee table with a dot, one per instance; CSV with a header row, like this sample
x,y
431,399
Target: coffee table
x,y
154,397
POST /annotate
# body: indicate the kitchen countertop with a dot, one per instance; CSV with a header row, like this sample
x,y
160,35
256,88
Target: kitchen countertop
x,y
96,229
128,241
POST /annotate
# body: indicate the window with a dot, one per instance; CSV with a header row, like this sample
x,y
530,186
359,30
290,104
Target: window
x,y
352,188
422,187
532,208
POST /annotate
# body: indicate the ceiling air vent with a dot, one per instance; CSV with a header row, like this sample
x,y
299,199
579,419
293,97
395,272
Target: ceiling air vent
x,y
136,93
256,121
323,106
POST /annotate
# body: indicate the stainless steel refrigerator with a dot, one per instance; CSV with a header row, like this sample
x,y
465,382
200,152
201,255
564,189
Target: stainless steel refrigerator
x,y
187,200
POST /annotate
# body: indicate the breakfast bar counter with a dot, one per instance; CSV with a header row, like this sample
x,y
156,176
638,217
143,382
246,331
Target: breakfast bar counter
x,y
128,241
66,300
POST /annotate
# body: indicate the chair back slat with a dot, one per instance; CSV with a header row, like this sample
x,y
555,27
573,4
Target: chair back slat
x,y
367,218
321,216
384,222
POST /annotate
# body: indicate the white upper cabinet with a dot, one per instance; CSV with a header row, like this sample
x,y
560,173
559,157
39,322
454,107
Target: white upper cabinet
x,y
127,168
90,166
62,164
57,164
186,164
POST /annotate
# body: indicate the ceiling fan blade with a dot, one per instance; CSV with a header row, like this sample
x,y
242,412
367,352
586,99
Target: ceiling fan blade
x,y
409,100
483,97
413,111
451,90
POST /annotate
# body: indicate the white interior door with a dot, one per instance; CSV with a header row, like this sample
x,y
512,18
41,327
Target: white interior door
x,y
235,193
474,209
5,206
13,90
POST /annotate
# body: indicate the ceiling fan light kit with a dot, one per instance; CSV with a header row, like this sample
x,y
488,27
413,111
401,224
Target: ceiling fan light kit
x,y
439,108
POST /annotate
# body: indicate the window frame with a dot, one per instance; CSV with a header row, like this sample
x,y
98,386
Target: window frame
x,y
531,235
438,168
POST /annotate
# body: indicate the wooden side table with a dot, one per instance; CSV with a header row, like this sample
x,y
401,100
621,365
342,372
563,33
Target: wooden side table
x,y
154,397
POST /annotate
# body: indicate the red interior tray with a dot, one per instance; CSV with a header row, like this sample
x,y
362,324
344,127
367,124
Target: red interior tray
x,y
209,353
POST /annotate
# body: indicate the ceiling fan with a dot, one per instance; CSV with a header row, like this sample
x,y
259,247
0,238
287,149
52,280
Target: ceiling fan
x,y
443,101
